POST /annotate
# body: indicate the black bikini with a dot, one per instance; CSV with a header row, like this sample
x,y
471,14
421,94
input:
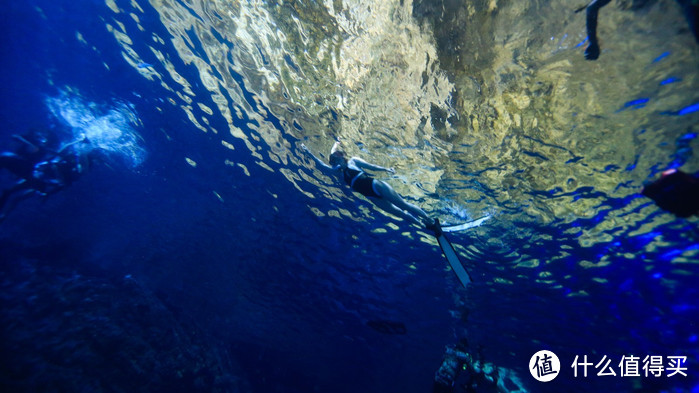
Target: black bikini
x,y
360,182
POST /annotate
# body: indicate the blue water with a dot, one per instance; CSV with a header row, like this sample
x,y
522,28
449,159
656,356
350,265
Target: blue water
x,y
151,265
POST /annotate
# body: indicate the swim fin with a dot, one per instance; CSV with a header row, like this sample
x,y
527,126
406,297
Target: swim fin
x,y
450,254
466,225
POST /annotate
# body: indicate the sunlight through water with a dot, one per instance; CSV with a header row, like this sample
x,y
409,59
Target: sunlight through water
x,y
110,129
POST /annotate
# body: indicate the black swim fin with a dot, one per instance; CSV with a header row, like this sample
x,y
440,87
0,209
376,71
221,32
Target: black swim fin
x,y
450,254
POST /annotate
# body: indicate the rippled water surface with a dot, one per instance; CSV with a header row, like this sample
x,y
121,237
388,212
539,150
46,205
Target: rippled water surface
x,y
483,108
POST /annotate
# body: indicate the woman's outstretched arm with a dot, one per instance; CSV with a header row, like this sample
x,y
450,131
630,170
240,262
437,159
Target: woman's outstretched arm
x,y
318,161
361,164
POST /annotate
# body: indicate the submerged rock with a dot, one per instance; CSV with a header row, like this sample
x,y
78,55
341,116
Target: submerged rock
x,y
66,332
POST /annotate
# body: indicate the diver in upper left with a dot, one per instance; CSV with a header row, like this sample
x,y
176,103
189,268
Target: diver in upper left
x,y
41,166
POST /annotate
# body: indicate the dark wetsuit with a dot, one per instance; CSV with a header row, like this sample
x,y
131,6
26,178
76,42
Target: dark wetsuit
x,y
46,177
690,8
360,182
592,50
676,192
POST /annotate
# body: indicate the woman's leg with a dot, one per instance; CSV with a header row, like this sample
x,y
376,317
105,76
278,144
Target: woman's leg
x,y
390,195
390,208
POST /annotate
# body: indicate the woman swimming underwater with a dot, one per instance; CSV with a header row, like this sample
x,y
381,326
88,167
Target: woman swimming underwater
x,y
378,192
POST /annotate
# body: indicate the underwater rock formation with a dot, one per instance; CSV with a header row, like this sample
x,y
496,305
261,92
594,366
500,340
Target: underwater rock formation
x,y
66,332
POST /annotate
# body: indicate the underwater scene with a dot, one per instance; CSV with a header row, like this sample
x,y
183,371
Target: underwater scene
x,y
349,196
